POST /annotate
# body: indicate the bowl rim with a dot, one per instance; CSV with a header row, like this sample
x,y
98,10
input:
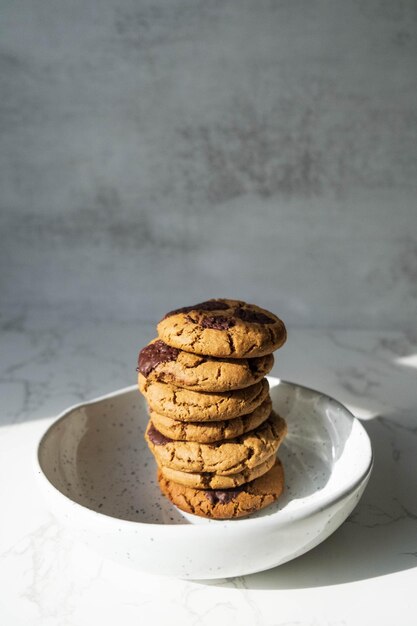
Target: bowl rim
x,y
285,517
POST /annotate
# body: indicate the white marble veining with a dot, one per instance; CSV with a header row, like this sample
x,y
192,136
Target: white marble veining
x,y
364,574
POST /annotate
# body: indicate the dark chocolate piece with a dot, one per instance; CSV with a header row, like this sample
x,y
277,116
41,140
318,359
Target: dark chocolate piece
x,y
253,365
253,317
218,322
155,353
157,438
208,305
222,496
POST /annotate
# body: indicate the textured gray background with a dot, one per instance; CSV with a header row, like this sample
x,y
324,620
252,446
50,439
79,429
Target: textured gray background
x,y
158,153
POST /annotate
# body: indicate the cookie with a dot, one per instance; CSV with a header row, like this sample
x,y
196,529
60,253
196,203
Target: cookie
x,y
223,328
226,503
194,406
210,432
160,362
223,457
207,480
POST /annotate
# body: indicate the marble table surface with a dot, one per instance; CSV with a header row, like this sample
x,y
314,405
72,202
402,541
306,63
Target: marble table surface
x,y
365,573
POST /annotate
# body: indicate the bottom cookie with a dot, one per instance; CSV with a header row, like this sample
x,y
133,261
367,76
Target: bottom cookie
x,y
226,503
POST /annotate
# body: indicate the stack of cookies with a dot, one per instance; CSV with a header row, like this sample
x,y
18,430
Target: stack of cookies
x,y
212,429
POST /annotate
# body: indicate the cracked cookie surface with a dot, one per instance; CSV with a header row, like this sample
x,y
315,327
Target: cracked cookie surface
x,y
211,432
223,328
226,504
207,480
225,457
159,362
195,406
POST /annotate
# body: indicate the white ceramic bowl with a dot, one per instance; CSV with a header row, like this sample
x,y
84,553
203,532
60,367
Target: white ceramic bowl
x,y
98,478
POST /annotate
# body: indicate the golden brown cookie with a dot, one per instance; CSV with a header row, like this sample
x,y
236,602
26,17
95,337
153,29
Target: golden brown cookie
x,y
226,503
210,432
160,362
223,457
207,480
223,328
193,406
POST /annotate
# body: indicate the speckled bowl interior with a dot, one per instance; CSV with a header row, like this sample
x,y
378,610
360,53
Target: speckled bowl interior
x,y
97,457
98,478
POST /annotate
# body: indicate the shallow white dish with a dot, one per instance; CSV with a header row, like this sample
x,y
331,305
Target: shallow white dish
x,y
98,478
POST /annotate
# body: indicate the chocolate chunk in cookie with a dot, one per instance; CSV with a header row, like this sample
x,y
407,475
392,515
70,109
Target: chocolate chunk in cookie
x,y
208,305
154,354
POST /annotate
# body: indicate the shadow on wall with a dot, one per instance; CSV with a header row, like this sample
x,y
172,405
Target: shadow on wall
x,y
380,537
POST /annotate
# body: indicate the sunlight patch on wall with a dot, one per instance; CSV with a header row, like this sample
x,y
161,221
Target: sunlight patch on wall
x,y
408,361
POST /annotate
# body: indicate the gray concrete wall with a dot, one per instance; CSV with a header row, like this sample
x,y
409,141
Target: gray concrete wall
x,y
158,153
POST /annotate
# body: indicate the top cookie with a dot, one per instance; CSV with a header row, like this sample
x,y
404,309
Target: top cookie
x,y
223,328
